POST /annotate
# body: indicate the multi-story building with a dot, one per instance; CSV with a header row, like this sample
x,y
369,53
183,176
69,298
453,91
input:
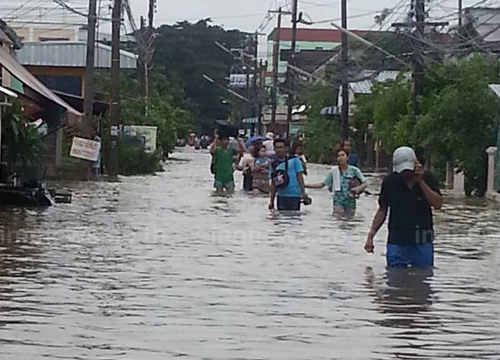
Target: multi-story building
x,y
312,45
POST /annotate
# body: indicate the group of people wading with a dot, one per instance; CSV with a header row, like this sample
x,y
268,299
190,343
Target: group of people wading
x,y
408,194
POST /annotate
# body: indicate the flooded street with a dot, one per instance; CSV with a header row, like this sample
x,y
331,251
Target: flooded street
x,y
158,267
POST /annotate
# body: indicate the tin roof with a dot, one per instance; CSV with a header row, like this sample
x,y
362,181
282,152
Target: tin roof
x,y
365,86
16,69
70,54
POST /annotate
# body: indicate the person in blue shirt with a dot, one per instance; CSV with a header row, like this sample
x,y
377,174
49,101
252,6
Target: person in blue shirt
x,y
287,180
353,158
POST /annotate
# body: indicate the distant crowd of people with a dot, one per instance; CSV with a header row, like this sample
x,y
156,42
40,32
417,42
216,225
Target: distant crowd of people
x,y
270,167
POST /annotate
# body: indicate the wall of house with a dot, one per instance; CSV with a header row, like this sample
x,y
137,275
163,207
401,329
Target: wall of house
x,y
287,45
65,79
40,33
301,46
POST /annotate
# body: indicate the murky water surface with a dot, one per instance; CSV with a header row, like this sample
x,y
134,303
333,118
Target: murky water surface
x,y
158,268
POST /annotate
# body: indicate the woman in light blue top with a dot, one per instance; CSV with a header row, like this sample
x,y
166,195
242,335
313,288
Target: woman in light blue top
x,y
346,182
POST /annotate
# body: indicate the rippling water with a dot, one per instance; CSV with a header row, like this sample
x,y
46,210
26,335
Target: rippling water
x,y
157,268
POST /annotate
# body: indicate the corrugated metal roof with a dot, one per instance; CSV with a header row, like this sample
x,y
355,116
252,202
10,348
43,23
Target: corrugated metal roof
x,y
23,75
495,88
70,54
365,86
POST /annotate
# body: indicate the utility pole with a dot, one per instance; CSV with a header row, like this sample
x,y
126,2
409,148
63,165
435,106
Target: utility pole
x,y
418,8
145,51
276,62
290,79
262,90
115,89
460,15
88,101
344,131
143,88
256,71
418,74
149,43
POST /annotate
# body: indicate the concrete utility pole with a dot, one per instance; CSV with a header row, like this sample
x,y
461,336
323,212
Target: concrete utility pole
x,y
418,74
292,61
149,42
460,15
145,50
256,109
262,94
345,76
88,101
418,6
276,62
143,88
115,90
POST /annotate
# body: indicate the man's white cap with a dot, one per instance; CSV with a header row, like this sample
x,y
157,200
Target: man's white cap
x,y
403,159
270,136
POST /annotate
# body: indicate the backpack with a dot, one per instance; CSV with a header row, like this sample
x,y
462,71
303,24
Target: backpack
x,y
280,178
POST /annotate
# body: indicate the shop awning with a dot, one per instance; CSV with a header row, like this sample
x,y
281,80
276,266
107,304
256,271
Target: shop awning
x,y
23,75
331,110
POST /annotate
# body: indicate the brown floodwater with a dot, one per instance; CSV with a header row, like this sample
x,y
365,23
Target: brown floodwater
x,y
159,268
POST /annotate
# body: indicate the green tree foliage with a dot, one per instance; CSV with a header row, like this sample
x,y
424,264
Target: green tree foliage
x,y
185,52
22,141
322,133
458,119
172,122
133,161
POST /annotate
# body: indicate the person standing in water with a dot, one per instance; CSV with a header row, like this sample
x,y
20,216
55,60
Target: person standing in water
x,y
245,165
269,144
222,160
260,169
410,195
96,165
287,180
353,158
298,151
346,182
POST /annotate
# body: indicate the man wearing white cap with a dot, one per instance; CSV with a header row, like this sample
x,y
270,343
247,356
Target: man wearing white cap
x,y
410,195
269,144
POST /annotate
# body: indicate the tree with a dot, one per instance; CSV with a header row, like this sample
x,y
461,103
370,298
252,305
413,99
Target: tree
x,y
21,141
458,119
322,133
460,115
185,52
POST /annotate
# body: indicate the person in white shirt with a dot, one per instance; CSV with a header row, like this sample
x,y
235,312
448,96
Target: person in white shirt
x,y
298,151
245,165
269,144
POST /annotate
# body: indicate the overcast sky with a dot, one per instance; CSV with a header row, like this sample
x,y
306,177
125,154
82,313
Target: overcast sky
x,y
248,14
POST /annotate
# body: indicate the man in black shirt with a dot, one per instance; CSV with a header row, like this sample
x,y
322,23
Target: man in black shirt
x,y
410,194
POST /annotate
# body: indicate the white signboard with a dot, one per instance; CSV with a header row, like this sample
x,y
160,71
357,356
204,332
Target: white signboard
x,y
239,81
85,149
149,133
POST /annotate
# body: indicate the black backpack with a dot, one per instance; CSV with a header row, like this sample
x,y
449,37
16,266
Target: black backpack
x,y
280,177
